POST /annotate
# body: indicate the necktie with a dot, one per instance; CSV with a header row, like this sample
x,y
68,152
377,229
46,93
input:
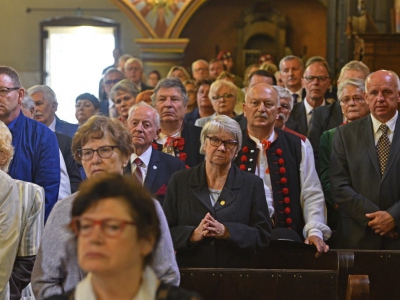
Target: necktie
x,y
295,96
138,172
383,147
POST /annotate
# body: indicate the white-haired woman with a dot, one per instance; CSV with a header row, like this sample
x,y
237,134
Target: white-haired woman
x,y
217,214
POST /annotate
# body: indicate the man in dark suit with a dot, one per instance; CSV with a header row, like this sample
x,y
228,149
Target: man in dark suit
x,y
110,78
330,116
134,70
292,68
149,167
316,82
45,110
176,137
364,170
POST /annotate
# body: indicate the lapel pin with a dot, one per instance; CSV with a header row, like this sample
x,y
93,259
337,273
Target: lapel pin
x,y
155,167
222,202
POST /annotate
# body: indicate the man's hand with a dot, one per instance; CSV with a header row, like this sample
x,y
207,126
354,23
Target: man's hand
x,y
318,243
382,222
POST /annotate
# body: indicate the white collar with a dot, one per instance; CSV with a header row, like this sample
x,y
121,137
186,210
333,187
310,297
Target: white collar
x,y
147,290
145,157
258,142
52,125
391,123
309,107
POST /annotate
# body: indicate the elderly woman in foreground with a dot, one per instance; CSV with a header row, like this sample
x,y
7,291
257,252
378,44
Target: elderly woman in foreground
x,y
103,146
351,97
116,226
217,214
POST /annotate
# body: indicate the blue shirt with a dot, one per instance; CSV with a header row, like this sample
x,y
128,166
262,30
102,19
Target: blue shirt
x,y
36,158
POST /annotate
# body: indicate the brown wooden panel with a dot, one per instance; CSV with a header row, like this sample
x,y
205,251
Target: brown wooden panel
x,y
236,284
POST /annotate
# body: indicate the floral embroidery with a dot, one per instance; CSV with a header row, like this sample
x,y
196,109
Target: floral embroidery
x,y
175,146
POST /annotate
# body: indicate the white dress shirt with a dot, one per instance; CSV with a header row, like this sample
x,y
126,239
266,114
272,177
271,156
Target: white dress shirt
x,y
391,124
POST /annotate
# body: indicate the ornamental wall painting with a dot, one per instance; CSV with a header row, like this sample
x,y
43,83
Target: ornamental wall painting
x,y
159,14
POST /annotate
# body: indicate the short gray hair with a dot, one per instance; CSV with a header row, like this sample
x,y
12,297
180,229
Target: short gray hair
x,y
27,102
249,91
284,93
113,70
354,65
218,124
358,83
199,60
144,104
48,93
291,57
125,86
132,60
6,145
172,82
216,85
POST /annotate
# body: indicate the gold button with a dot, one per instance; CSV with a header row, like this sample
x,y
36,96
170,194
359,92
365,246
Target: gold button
x,y
222,202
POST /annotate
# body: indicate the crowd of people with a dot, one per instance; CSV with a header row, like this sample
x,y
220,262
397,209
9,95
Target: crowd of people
x,y
199,169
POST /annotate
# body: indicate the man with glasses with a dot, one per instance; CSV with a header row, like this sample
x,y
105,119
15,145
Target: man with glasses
x,y
110,78
286,165
316,82
36,158
134,71
200,69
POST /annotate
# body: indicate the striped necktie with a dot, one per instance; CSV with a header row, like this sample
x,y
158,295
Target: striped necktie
x,y
138,172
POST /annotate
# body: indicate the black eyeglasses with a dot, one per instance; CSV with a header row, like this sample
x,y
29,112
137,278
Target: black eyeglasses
x,y
224,96
5,90
110,82
103,152
356,99
319,78
111,228
216,142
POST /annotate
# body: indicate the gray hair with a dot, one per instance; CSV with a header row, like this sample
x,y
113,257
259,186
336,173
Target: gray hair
x,y
172,82
218,124
113,70
48,93
284,93
199,60
250,91
354,65
291,57
358,83
27,102
144,104
125,86
6,145
216,85
132,60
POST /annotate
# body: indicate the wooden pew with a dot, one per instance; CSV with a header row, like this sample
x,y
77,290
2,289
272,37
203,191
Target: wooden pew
x,y
243,284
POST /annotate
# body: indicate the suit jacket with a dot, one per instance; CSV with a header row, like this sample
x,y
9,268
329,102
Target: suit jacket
x,y
358,187
104,107
323,118
241,208
64,143
191,134
161,167
66,128
191,117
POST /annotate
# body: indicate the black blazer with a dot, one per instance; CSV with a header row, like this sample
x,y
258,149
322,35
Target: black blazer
x,y
64,142
161,167
358,187
241,207
323,118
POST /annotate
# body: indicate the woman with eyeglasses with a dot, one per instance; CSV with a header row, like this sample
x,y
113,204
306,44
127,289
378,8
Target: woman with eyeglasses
x,y
223,98
351,96
102,146
217,213
116,228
